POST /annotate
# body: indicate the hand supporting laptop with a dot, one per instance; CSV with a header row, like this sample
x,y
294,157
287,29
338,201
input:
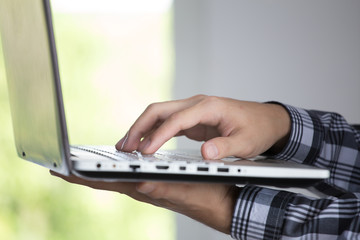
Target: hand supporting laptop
x,y
246,129
229,127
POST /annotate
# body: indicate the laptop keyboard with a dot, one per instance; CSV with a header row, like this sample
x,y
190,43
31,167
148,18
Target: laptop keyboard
x,y
160,156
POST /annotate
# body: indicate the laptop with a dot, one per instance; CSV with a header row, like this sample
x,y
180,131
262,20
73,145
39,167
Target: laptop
x,y
40,128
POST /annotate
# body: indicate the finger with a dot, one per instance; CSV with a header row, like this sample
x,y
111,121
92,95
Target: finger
x,y
159,190
199,133
179,193
233,145
148,120
202,133
127,188
211,204
121,187
188,118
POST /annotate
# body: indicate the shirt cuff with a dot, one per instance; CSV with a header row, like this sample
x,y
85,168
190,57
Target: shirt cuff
x,y
305,137
259,213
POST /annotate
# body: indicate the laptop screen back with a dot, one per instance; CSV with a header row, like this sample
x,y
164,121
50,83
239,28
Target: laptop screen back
x,y
33,83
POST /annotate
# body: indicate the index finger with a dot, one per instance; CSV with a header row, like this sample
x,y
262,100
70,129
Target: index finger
x,y
149,119
185,119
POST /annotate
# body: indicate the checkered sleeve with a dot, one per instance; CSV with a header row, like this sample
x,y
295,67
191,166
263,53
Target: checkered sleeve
x,y
325,140
321,139
259,213
262,213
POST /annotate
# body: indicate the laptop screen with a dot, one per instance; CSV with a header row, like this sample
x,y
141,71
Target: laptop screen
x,y
33,82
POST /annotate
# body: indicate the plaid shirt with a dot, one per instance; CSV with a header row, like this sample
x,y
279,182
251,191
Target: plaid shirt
x,y
318,138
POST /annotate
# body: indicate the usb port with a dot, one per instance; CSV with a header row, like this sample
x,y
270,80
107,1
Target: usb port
x,y
162,167
223,169
203,169
182,168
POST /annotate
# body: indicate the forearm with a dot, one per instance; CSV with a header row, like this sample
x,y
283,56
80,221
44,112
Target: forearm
x,y
325,140
262,213
321,139
259,213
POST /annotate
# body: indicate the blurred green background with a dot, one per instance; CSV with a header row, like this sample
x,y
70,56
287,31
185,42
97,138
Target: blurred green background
x,y
112,64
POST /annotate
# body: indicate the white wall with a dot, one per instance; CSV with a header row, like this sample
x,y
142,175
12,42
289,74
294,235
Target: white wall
x,y
305,53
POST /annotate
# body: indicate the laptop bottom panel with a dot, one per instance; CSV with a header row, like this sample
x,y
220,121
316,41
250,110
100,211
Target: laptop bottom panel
x,y
139,177
106,163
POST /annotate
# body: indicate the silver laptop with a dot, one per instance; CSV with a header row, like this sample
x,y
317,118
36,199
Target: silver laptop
x,y
40,127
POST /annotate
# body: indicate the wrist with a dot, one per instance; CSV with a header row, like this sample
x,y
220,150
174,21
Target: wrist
x,y
218,216
282,127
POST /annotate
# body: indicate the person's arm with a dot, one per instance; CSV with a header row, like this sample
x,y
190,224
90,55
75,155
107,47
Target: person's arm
x,y
325,140
228,127
233,127
210,204
321,139
262,213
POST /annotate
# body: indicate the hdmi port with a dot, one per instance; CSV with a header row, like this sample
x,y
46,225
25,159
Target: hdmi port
x,y
223,170
203,169
162,167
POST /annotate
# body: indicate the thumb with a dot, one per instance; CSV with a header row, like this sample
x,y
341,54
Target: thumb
x,y
222,147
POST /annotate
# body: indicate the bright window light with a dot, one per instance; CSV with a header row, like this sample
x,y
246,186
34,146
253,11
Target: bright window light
x,y
111,6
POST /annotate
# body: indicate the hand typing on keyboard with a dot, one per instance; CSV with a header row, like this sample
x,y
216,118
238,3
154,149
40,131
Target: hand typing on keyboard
x,y
228,127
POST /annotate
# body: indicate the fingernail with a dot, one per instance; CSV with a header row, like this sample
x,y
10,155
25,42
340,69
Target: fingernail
x,y
125,140
146,188
121,143
211,151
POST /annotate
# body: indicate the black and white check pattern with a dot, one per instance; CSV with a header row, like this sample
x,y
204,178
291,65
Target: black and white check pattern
x,y
318,138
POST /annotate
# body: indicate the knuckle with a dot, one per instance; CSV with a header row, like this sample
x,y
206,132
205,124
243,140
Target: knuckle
x,y
212,101
158,193
212,106
133,133
175,117
199,97
175,121
151,107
